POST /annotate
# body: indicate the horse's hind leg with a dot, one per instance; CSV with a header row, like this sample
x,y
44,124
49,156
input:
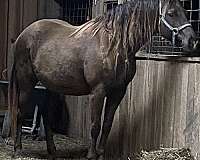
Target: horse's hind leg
x,y
23,99
24,80
44,109
24,95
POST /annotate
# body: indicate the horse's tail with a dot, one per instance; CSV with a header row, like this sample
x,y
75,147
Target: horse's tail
x,y
13,98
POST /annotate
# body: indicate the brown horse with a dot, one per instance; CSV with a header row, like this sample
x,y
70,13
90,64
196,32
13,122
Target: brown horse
x,y
96,59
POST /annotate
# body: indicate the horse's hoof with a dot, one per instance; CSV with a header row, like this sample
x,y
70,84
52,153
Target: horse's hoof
x,y
101,157
50,157
100,152
17,153
91,155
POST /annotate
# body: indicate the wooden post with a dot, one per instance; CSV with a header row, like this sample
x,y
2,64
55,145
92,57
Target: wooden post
x,y
3,34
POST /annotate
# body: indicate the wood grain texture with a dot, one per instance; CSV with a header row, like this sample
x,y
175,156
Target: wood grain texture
x,y
4,36
160,108
30,12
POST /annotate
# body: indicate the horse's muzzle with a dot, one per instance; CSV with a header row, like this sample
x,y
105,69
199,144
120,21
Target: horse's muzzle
x,y
190,45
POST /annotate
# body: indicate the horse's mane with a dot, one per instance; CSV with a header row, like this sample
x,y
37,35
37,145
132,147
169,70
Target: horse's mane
x,y
130,25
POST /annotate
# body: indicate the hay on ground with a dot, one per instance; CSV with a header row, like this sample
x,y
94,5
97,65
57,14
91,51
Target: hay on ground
x,y
166,154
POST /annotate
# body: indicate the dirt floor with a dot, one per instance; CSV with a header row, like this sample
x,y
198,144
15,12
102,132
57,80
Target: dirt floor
x,y
67,148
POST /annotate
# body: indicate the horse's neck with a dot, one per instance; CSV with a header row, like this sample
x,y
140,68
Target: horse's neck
x,y
134,48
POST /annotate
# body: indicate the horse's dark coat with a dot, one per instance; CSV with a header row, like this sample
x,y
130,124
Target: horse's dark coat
x,y
97,58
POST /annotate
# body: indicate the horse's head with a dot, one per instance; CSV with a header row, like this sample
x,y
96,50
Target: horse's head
x,y
174,25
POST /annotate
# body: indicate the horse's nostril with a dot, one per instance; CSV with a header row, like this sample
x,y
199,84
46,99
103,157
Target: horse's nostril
x,y
193,43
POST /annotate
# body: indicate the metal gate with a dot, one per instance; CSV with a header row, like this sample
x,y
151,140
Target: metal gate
x,y
108,5
162,46
77,12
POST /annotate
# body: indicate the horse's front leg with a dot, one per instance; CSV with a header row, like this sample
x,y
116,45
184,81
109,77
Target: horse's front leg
x,y
96,101
112,102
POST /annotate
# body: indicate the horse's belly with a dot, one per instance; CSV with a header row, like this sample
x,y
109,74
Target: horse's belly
x,y
69,82
73,88
60,70
69,86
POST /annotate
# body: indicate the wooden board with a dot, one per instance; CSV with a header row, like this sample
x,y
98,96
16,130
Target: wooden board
x,y
30,12
3,35
160,109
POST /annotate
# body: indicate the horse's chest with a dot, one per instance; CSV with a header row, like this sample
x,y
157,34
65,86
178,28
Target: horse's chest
x,y
124,74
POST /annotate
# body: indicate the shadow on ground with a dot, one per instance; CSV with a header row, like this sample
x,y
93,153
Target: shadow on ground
x,y
67,148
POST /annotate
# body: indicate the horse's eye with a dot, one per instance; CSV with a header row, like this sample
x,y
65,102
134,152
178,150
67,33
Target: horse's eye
x,y
171,12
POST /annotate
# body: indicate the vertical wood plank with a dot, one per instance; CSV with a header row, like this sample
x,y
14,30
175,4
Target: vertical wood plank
x,y
30,12
178,132
190,116
133,111
123,118
3,35
197,110
52,9
42,11
15,26
152,119
146,105
183,102
160,100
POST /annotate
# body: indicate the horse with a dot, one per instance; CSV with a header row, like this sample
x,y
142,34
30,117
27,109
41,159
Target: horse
x,y
95,59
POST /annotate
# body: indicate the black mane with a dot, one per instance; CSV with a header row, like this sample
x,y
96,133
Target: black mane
x,y
131,23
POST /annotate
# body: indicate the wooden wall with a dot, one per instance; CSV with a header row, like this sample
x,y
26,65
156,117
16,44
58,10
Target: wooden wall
x,y
16,15
160,109
3,35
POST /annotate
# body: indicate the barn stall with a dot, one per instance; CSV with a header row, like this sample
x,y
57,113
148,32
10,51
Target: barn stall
x,y
161,106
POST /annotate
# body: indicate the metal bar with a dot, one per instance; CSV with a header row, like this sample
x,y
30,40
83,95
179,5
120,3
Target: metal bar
x,y
161,46
6,83
32,128
35,118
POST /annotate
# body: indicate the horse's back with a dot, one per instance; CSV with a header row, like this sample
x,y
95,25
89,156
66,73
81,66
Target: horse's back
x,y
47,28
41,33
47,46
